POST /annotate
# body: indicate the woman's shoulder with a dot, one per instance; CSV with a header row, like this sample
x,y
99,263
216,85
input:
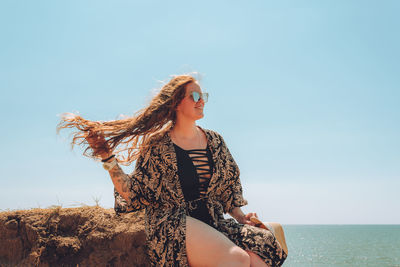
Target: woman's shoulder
x,y
212,134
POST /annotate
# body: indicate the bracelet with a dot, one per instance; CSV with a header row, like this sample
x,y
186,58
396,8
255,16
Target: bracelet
x,y
109,165
107,159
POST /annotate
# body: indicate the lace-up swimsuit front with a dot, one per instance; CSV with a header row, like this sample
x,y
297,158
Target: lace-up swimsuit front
x,y
195,168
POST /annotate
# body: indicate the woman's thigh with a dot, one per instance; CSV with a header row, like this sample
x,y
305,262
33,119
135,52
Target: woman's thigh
x,y
208,247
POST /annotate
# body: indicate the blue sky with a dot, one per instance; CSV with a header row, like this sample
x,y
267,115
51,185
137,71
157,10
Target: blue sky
x,y
305,93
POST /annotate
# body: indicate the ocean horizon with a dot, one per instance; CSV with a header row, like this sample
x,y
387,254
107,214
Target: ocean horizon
x,y
343,244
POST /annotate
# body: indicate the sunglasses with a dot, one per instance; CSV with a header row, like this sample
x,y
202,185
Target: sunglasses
x,y
196,96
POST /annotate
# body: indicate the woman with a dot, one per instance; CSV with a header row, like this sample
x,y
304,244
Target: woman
x,y
185,178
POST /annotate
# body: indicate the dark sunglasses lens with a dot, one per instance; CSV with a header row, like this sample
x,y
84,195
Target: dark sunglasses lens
x,y
196,96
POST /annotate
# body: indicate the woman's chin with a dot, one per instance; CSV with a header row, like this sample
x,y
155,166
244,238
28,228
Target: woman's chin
x,y
199,116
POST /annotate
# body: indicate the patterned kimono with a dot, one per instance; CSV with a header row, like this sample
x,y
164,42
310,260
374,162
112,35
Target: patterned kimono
x,y
156,188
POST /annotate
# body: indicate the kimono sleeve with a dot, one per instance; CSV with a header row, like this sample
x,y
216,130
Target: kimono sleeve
x,y
140,193
232,196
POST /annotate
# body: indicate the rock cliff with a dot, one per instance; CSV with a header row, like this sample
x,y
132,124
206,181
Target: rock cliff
x,y
84,236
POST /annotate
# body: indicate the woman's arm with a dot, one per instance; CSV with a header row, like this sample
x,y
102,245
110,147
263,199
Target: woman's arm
x,y
131,188
121,181
119,178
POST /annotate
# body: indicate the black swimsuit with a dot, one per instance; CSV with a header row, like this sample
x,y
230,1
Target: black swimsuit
x,y
195,168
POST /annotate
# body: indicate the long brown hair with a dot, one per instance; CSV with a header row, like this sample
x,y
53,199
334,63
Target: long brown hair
x,y
134,134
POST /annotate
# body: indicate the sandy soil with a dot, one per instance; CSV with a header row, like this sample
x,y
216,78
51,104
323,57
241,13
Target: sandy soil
x,y
84,236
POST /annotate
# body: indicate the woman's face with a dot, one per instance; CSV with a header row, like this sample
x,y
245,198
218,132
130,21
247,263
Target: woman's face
x,y
188,108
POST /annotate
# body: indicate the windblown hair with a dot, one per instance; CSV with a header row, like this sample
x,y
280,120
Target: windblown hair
x,y
133,134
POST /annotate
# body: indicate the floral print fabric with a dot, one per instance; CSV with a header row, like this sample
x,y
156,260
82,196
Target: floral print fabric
x,y
156,188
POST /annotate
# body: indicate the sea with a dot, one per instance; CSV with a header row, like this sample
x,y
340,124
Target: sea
x,y
342,245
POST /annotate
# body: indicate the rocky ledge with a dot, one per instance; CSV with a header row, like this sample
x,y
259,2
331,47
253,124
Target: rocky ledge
x,y
84,236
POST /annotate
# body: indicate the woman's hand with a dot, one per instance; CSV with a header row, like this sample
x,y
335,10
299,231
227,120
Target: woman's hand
x,y
238,214
246,218
99,145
